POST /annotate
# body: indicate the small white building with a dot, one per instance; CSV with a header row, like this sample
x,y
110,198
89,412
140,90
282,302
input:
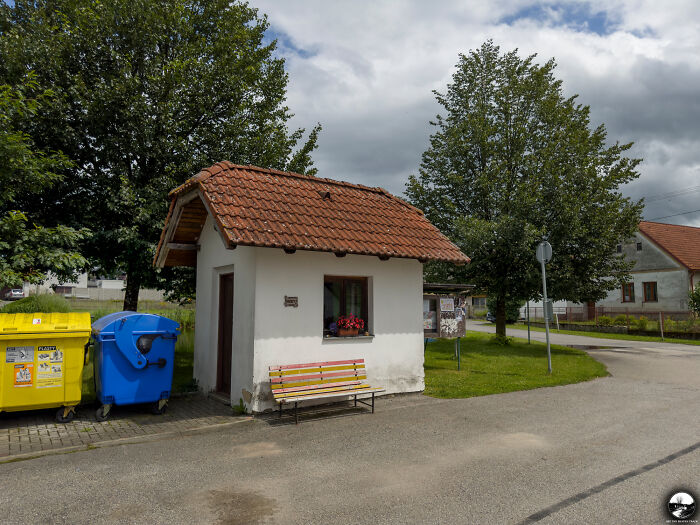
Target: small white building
x,y
280,256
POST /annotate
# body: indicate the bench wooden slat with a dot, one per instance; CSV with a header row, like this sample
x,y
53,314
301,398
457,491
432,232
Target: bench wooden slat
x,y
334,394
325,363
277,391
313,376
346,388
283,373
286,384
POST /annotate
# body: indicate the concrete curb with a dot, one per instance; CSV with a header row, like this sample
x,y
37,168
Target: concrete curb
x,y
124,441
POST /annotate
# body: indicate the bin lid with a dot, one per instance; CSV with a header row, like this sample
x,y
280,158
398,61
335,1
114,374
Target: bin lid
x,y
42,323
143,323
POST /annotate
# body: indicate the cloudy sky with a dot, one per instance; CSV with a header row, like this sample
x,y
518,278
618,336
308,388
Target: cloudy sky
x,y
366,70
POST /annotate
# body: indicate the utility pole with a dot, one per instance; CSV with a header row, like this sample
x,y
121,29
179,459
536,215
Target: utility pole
x,y
544,255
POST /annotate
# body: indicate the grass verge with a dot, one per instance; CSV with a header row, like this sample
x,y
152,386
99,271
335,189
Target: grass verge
x,y
604,335
489,368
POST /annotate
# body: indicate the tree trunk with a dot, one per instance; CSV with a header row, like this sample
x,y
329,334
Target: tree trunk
x,y
501,316
131,295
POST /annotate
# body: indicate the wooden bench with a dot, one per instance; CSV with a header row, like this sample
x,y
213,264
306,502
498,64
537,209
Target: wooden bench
x,y
304,381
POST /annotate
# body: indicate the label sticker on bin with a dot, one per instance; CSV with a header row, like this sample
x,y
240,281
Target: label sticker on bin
x,y
23,374
50,367
19,354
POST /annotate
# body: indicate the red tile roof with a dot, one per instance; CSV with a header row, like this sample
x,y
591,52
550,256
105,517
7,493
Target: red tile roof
x,y
263,207
681,242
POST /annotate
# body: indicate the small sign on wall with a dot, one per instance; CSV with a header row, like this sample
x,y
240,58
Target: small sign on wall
x,y
291,301
447,304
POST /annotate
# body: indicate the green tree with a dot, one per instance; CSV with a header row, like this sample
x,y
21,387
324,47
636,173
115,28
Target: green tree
x,y
513,160
27,251
148,93
512,308
694,300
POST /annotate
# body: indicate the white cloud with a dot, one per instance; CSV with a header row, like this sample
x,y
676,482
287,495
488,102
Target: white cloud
x,y
366,71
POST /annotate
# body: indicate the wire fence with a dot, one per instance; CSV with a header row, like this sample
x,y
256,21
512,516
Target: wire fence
x,y
676,324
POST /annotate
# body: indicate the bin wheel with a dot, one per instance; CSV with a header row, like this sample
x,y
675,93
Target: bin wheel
x,y
65,414
101,414
159,407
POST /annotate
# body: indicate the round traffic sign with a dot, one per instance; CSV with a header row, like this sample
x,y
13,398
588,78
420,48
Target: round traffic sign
x,y
544,252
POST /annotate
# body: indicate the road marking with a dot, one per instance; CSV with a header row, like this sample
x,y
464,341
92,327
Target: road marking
x,y
537,516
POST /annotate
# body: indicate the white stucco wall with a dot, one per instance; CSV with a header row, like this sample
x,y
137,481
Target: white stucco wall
x,y
672,291
214,259
394,357
266,333
652,264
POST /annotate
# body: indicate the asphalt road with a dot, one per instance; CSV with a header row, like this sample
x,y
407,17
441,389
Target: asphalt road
x,y
608,450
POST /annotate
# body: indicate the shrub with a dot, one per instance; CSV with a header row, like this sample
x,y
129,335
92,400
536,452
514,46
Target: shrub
x,y
642,323
620,320
501,339
604,320
43,303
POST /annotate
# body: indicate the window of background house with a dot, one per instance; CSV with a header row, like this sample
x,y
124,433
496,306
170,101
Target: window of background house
x,y
479,302
650,292
639,246
430,323
628,293
344,296
619,248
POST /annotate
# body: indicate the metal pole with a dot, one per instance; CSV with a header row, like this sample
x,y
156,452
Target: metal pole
x,y
546,322
661,325
459,353
528,322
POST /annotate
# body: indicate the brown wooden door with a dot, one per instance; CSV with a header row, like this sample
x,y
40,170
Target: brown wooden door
x,y
591,311
223,373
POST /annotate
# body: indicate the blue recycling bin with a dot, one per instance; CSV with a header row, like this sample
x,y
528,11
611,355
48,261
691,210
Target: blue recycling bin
x,y
134,360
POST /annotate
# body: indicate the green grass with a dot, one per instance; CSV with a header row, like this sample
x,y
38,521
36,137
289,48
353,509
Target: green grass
x,y
604,335
490,368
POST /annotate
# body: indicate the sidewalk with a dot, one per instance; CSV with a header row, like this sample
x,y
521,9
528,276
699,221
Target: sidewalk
x,y
36,432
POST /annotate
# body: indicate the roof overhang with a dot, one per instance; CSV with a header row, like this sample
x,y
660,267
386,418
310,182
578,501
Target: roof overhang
x,y
179,240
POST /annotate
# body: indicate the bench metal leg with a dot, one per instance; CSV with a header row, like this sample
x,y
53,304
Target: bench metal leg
x,y
280,410
296,417
372,402
355,399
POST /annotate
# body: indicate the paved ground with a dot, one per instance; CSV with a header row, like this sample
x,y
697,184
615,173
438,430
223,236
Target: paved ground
x,y
33,432
608,450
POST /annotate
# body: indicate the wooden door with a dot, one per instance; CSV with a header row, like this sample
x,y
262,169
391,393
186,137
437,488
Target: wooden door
x,y
591,311
223,372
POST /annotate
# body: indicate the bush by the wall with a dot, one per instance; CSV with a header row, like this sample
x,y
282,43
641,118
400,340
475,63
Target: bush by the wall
x,y
642,323
479,314
43,303
604,320
620,320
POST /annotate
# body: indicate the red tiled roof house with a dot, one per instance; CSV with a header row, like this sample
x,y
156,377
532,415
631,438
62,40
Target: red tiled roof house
x,y
280,257
666,266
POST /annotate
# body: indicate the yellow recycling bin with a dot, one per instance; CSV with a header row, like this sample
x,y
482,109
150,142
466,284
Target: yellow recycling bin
x,y
41,361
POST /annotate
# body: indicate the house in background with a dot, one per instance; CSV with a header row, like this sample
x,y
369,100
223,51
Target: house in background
x,y
280,257
666,266
89,287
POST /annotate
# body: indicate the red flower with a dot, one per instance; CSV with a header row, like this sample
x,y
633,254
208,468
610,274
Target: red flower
x,y
350,321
